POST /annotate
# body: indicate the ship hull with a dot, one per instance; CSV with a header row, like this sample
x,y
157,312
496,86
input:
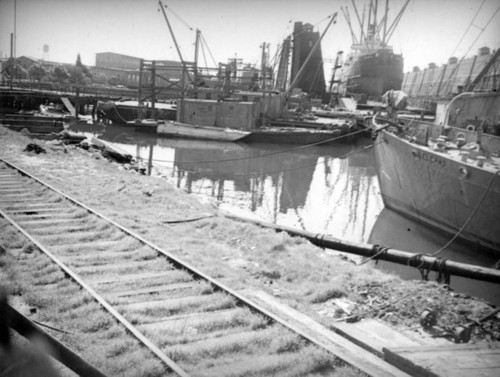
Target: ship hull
x,y
298,136
443,193
190,131
372,74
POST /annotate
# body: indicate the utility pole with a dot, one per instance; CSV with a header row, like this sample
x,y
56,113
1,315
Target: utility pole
x,y
264,63
15,27
13,65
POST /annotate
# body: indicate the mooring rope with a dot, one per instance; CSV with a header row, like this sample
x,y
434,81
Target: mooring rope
x,y
469,218
379,250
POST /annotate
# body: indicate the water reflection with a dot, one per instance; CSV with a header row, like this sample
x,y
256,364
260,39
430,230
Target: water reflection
x,y
320,189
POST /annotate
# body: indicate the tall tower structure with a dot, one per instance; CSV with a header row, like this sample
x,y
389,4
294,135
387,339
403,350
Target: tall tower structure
x,y
312,79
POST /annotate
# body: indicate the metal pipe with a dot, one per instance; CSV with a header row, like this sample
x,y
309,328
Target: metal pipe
x,y
391,255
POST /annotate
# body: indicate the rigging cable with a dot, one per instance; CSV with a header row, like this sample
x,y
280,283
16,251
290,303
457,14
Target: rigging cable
x,y
455,70
208,48
468,28
179,18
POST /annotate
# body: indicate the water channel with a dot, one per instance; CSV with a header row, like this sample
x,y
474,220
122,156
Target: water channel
x,y
322,189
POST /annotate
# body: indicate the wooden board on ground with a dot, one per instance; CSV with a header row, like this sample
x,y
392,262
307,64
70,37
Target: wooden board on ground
x,y
453,360
336,344
374,335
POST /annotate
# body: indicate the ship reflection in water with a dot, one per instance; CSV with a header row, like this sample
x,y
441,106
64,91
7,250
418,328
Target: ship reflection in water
x,y
319,189
331,189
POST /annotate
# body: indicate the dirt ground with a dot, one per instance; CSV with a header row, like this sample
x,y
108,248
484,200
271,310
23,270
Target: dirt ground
x,y
326,285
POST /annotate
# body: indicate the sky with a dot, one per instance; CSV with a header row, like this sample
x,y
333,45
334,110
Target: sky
x,y
429,30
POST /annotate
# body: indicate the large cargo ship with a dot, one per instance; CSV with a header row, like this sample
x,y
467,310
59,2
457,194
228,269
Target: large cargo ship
x,y
372,68
444,176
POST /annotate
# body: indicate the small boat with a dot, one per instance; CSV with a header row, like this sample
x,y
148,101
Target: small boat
x,y
191,131
445,177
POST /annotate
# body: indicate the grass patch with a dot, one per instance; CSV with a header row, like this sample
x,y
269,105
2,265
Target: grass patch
x,y
325,295
309,362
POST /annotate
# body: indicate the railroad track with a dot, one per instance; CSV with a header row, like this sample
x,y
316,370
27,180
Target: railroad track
x,y
193,323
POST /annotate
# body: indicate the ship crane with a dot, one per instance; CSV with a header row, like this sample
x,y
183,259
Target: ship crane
x,y
184,65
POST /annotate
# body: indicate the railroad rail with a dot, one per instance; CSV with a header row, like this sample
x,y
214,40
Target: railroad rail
x,y
174,309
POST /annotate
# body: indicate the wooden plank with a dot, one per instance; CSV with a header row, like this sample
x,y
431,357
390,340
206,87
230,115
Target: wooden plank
x,y
152,290
17,195
14,189
69,106
45,207
21,216
374,336
95,246
116,267
183,321
191,301
453,360
85,236
44,222
336,344
131,277
58,229
100,254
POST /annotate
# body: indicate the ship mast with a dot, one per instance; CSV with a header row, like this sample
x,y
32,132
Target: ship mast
x,y
373,26
282,76
348,19
196,48
389,33
384,42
